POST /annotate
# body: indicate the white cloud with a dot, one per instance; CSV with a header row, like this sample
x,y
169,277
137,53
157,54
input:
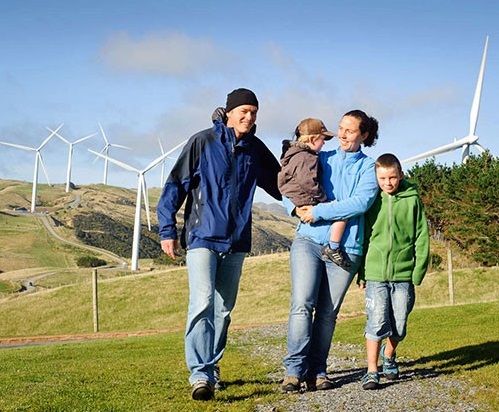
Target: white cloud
x,y
174,54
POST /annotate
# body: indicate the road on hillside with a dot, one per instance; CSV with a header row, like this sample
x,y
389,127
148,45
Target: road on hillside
x,y
46,222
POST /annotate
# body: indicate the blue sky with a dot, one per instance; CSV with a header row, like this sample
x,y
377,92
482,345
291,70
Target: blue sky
x,y
149,70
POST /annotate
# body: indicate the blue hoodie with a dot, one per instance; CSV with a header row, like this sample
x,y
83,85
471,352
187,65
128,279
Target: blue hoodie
x,y
349,180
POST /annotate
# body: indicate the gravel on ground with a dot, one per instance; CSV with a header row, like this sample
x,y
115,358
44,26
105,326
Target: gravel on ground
x,y
417,389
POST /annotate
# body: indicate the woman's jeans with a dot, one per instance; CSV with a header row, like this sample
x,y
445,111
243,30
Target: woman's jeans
x,y
317,291
213,286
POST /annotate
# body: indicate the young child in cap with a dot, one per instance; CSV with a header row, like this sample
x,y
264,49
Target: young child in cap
x,y
298,179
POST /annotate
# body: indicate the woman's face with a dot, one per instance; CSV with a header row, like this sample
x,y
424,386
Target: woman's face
x,y
349,134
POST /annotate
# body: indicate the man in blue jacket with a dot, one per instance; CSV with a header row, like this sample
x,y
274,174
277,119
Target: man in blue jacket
x,y
217,172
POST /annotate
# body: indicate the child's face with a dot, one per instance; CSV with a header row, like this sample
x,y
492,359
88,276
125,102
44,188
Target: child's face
x,y
317,144
388,179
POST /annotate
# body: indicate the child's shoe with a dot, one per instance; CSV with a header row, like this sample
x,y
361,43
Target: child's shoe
x,y
337,256
390,367
370,380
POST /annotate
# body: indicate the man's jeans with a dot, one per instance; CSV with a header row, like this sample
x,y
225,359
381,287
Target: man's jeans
x,y
213,285
318,288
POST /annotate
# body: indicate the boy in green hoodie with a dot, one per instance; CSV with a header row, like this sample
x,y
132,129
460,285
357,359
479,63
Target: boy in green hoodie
x,y
396,257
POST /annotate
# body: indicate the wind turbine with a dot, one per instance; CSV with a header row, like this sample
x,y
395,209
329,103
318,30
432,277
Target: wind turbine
x,y
163,164
105,150
141,192
70,155
471,139
38,160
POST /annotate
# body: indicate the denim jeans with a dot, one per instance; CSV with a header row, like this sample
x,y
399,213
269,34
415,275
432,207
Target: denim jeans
x,y
317,291
388,305
213,286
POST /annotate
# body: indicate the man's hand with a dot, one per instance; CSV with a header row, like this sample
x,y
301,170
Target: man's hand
x,y
170,246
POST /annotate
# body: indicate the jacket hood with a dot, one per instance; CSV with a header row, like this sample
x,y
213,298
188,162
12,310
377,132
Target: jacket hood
x,y
291,148
405,190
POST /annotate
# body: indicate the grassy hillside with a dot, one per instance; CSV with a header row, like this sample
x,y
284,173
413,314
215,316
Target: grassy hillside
x,y
157,300
101,216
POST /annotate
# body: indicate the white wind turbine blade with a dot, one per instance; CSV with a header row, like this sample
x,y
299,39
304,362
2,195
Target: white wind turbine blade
x,y
479,147
18,146
118,145
475,107
40,158
162,157
85,138
52,134
116,162
442,149
103,134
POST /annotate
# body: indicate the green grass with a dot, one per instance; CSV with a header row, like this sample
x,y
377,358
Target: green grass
x,y
157,300
148,373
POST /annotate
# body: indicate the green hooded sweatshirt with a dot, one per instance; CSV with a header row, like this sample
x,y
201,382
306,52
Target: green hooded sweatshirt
x,y
397,243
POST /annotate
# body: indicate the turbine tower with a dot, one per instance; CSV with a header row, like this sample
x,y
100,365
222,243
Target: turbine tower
x,y
38,160
471,139
105,150
141,193
70,155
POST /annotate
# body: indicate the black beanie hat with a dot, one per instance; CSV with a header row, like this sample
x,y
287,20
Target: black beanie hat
x,y
240,97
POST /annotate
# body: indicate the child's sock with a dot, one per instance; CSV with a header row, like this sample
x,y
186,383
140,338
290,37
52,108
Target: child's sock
x,y
334,245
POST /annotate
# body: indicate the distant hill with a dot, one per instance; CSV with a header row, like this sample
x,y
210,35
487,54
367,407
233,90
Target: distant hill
x,y
103,216
272,208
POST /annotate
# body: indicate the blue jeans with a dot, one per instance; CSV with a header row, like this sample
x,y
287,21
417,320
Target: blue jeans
x,y
213,286
388,305
317,291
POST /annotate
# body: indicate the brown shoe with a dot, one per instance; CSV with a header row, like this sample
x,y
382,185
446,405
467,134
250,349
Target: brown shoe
x,y
291,384
202,390
323,383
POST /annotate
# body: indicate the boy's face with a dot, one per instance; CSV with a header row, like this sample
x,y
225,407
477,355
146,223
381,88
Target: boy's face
x,y
388,179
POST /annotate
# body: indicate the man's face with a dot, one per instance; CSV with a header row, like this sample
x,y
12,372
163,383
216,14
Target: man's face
x,y
242,118
388,179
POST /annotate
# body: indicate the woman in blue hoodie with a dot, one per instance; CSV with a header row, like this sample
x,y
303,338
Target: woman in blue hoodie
x,y
318,286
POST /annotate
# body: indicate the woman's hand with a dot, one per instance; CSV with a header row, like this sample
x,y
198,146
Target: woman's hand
x,y
305,213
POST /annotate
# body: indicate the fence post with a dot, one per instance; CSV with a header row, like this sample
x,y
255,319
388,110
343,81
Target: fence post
x,y
451,275
95,301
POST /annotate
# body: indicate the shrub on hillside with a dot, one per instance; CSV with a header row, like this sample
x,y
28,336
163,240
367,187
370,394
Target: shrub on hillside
x,y
435,261
90,262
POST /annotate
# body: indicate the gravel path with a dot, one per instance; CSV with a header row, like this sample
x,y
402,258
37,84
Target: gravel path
x,y
418,389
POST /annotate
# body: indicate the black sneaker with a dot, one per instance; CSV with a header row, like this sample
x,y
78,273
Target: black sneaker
x,y
202,390
336,256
